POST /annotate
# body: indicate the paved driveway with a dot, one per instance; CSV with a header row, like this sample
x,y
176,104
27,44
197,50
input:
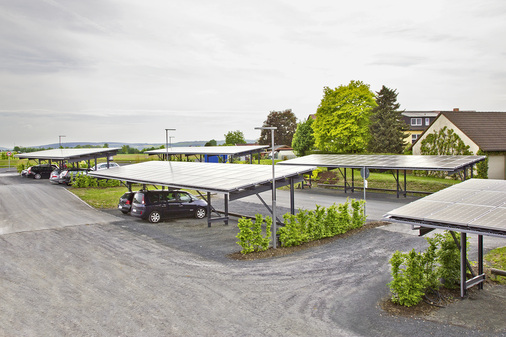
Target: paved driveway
x,y
126,277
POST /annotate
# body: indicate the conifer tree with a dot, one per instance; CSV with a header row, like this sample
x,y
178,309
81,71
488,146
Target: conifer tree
x,y
387,127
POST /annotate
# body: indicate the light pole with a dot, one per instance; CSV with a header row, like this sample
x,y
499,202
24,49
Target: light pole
x,y
272,128
59,140
167,142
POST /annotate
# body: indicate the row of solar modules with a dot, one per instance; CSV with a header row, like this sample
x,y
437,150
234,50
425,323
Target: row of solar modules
x,y
477,203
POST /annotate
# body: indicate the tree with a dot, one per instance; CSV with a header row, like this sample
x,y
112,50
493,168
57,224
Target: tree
x,y
234,137
212,142
303,139
286,124
387,127
342,118
442,142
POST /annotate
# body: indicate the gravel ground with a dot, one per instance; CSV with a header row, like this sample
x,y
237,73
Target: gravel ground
x,y
127,277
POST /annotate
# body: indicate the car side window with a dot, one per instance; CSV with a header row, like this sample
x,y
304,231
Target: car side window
x,y
184,197
155,198
171,197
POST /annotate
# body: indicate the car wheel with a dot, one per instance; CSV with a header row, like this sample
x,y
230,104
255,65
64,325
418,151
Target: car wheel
x,y
154,217
200,213
37,176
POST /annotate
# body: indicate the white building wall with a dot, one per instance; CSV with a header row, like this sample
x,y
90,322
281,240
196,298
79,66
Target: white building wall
x,y
497,167
438,124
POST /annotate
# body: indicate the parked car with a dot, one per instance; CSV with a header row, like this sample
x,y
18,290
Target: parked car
x,y
103,166
65,176
125,202
40,171
157,205
55,176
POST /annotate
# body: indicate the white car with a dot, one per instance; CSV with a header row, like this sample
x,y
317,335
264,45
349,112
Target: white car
x,y
103,166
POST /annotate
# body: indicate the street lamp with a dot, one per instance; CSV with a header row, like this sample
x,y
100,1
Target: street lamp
x,y
59,140
272,128
167,142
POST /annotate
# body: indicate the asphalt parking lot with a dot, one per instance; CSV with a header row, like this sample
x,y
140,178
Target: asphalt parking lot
x,y
102,273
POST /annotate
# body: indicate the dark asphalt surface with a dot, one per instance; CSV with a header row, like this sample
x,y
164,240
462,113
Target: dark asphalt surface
x,y
127,277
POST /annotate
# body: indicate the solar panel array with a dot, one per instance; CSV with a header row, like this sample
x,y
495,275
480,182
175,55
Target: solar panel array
x,y
65,154
210,177
210,150
389,162
474,203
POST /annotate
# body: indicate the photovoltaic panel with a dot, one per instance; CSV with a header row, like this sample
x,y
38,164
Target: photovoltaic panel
x,y
393,162
66,154
457,213
475,205
211,177
419,209
210,150
495,219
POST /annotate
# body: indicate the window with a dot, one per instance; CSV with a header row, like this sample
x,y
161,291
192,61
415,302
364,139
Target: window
x,y
427,121
183,197
416,121
414,138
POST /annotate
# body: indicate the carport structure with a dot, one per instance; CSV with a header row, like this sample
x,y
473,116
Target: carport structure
x,y
70,155
476,206
395,163
219,151
235,181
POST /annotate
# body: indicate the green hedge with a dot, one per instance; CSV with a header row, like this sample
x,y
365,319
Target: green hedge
x,y
322,222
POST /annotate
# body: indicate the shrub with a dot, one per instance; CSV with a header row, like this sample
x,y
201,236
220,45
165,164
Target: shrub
x,y
321,223
250,234
413,273
407,285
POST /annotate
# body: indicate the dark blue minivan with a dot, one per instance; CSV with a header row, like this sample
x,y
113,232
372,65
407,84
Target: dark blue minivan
x,y
157,205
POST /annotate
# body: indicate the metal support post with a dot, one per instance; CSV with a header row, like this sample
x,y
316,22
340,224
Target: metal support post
x,y
208,209
480,258
352,180
292,196
463,260
226,209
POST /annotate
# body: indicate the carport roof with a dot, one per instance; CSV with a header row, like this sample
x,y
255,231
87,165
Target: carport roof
x,y
69,154
474,206
388,162
211,150
210,177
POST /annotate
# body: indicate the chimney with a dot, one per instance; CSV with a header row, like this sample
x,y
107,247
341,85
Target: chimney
x,y
455,109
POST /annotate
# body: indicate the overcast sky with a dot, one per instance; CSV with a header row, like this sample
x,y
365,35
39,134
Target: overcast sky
x,y
124,70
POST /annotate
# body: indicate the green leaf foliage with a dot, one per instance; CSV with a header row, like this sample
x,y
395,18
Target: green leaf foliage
x,y
320,223
250,234
234,137
482,166
342,118
442,142
387,126
413,273
303,139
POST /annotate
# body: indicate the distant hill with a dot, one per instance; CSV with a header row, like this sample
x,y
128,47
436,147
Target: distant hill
x,y
138,146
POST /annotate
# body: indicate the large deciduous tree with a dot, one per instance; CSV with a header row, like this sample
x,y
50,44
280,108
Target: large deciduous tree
x,y
286,124
234,137
387,127
342,118
303,139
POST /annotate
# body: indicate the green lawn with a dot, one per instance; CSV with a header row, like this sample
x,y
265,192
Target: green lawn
x,y
100,197
496,258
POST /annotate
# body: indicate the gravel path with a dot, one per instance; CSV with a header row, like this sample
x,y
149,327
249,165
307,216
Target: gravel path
x,y
128,277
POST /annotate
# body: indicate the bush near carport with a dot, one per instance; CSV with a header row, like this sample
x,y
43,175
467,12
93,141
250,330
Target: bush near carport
x,y
415,273
321,223
250,234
